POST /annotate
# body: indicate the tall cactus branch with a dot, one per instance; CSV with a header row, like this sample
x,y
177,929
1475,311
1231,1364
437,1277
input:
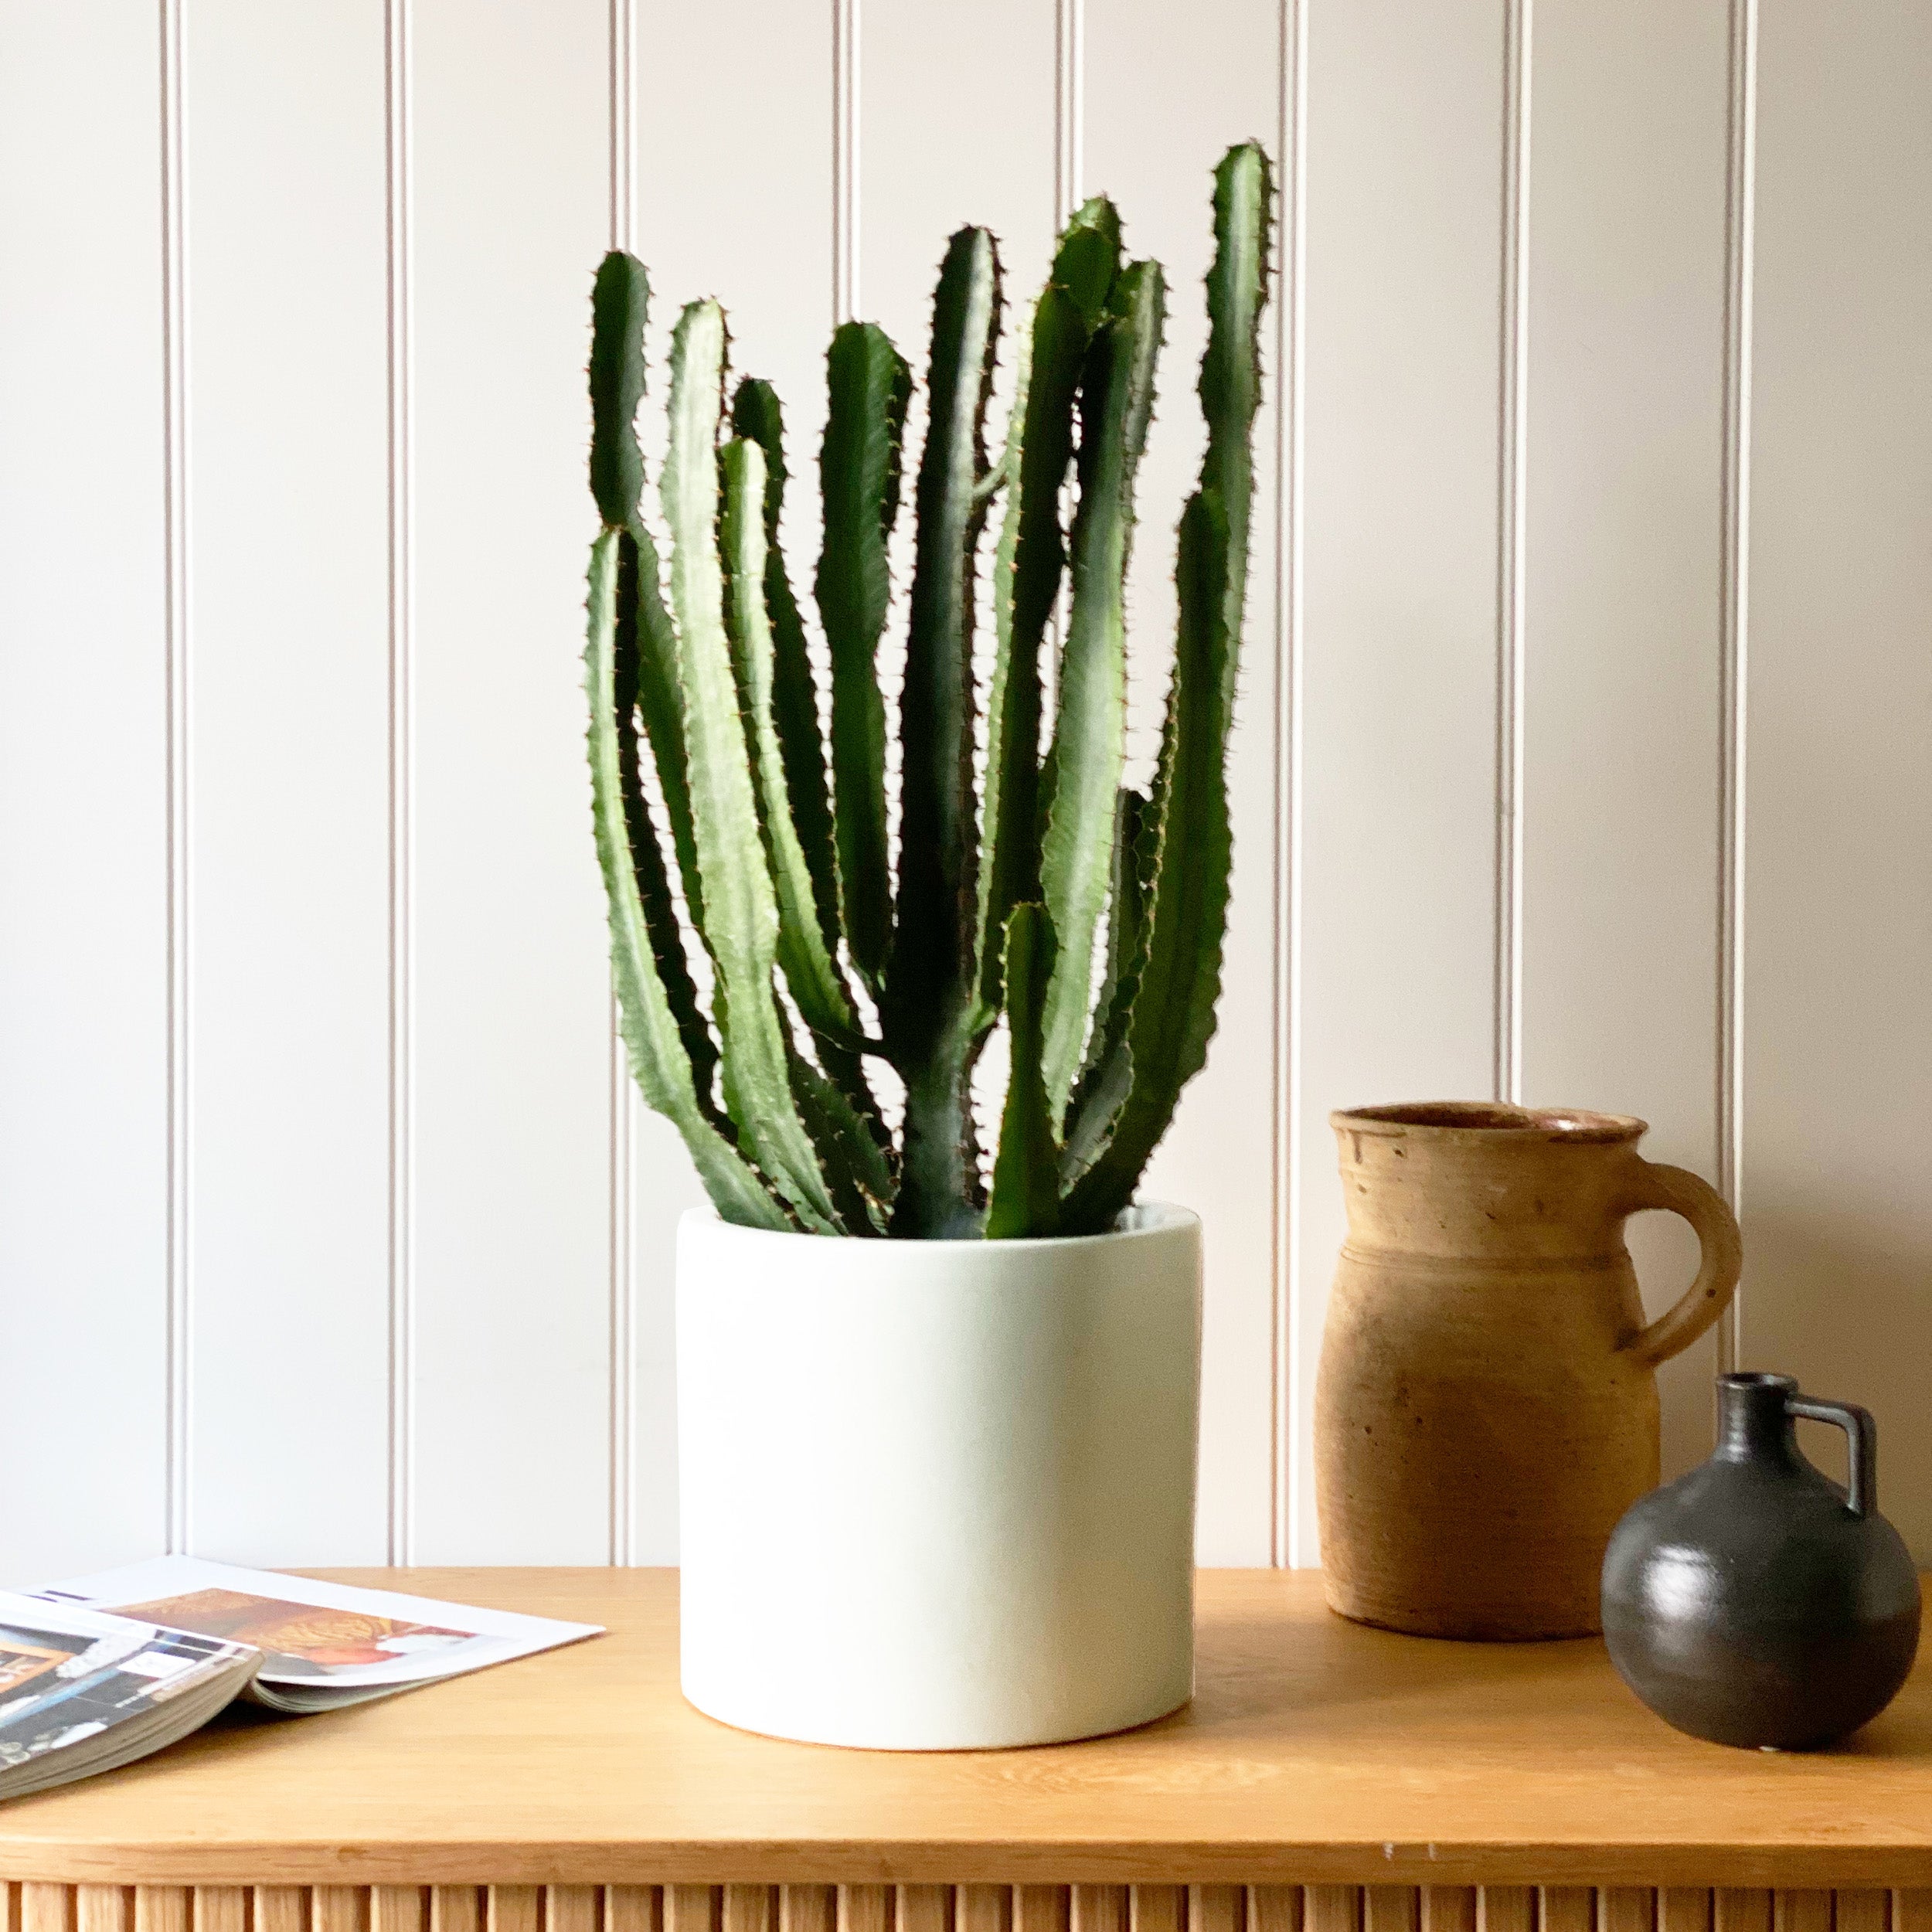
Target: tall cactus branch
x,y
1230,385
780,833
741,908
756,413
1028,565
810,970
1184,921
1026,1197
658,1058
867,387
619,305
1089,730
929,982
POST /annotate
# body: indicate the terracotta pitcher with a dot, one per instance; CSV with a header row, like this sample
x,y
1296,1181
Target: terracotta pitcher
x,y
1486,1407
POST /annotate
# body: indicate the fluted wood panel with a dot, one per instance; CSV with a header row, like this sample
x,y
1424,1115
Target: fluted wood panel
x,y
399,1908
1583,713
731,1907
458,1908
1738,1910
281,1908
31,1906
46,1908
163,1908
1565,1908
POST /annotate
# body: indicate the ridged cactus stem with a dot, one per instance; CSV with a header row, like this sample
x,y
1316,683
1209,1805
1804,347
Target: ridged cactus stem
x,y
657,1052
1026,1197
741,908
1090,732
756,413
778,825
1230,385
1189,833
636,566
810,970
930,980
868,385
1027,566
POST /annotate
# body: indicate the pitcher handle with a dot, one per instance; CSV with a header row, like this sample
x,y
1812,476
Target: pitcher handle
x,y
1721,1247
1860,1432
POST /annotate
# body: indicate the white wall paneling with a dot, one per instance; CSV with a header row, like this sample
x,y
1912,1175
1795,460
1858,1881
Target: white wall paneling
x,y
1622,644
510,188
1162,103
1401,495
1837,1168
1583,742
84,1286
286,852
760,238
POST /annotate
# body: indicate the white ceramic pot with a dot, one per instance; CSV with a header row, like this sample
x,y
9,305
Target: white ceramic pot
x,y
938,1495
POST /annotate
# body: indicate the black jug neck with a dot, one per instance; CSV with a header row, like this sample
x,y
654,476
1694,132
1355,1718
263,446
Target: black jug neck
x,y
1754,1418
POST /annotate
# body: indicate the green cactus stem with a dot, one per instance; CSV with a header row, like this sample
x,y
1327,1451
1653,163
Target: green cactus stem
x,y
929,982
756,413
658,1060
1026,1197
741,906
811,969
832,938
1106,1076
1027,566
868,385
1090,731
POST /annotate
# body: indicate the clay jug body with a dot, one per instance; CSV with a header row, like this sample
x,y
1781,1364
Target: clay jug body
x,y
1754,1602
1486,1405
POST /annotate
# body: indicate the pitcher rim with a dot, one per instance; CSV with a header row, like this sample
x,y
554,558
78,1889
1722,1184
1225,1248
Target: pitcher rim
x,y
1490,1121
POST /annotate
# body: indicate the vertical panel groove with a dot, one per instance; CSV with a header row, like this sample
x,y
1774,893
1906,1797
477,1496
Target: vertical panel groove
x,y
174,321
1069,32
1512,577
623,121
1290,1429
844,160
624,1099
400,295
1734,623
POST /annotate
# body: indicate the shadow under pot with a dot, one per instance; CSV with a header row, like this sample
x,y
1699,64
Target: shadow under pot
x,y
1754,1602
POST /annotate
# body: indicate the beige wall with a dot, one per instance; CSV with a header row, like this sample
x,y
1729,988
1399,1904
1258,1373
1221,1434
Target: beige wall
x,y
1584,754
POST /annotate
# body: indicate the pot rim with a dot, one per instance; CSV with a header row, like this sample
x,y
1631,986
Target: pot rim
x,y
1489,1121
1141,1220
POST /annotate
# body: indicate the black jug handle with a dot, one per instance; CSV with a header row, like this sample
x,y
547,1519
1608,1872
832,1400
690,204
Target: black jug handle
x,y
1862,1433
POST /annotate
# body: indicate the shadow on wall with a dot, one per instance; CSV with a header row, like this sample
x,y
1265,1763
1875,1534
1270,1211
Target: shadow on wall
x,y
1838,1293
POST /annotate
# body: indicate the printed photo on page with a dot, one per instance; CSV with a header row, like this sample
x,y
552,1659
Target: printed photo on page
x,y
318,1635
80,1691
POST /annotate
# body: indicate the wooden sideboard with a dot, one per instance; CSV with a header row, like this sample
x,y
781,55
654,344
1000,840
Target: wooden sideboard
x,y
1327,1778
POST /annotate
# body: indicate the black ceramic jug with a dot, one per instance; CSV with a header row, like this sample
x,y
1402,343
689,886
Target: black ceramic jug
x,y
1753,1601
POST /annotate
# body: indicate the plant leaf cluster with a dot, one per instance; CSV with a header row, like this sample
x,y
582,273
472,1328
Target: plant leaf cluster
x,y
1012,897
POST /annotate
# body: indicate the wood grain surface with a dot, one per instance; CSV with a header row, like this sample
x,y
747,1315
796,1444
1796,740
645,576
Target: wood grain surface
x,y
1355,1780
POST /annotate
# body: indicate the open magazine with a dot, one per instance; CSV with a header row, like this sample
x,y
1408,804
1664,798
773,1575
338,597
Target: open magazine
x,y
101,1670
80,1692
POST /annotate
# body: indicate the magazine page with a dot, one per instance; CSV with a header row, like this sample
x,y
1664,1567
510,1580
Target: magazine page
x,y
68,1675
324,1637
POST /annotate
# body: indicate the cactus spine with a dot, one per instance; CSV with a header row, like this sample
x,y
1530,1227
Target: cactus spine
x,y
782,837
